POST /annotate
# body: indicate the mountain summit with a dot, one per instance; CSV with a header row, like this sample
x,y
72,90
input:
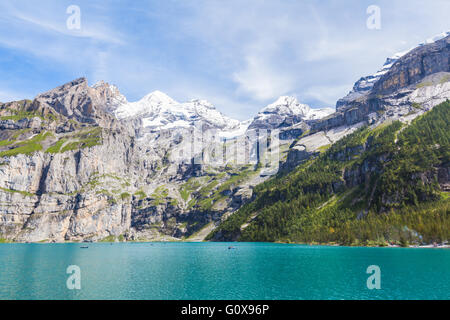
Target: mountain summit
x,y
158,111
149,104
286,111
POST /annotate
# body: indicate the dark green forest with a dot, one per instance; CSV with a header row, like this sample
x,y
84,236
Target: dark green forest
x,y
373,187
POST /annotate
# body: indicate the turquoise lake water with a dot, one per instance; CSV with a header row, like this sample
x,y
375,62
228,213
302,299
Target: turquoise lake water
x,y
212,271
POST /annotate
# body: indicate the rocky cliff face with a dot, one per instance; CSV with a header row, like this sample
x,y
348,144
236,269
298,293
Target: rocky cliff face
x,y
365,84
48,172
374,108
414,66
408,85
427,58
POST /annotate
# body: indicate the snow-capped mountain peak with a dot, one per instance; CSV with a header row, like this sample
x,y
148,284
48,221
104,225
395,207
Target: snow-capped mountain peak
x,y
202,103
286,111
287,105
158,98
153,102
158,111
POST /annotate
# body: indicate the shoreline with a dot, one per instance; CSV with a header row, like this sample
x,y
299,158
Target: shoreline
x,y
425,246
422,246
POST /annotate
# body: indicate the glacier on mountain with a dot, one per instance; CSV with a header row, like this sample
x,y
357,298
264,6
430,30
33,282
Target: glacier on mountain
x,y
158,111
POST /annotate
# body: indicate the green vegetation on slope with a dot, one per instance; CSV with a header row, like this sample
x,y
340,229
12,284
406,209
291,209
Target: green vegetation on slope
x,y
86,139
140,195
21,110
370,187
57,146
159,195
80,140
216,187
24,193
19,115
27,146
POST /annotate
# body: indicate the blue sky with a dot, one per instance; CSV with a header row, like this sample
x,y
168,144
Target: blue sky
x,y
238,54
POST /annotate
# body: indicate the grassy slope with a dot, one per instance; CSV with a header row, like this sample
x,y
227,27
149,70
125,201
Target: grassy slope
x,y
398,199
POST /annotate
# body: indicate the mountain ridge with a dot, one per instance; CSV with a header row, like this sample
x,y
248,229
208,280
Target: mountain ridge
x,y
72,171
158,102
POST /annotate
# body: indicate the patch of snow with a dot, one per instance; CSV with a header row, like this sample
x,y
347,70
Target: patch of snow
x,y
316,114
236,132
436,38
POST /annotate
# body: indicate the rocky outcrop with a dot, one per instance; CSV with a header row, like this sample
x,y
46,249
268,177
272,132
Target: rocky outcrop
x,y
297,155
364,85
420,76
443,177
414,66
52,196
77,101
358,110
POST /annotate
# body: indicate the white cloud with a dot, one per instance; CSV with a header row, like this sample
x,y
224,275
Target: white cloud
x,y
327,94
261,80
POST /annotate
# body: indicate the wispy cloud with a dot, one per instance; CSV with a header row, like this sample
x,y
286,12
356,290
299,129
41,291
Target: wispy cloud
x,y
259,80
95,33
42,31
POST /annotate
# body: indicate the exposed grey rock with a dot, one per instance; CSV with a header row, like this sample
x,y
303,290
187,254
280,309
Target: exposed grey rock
x,y
415,65
419,76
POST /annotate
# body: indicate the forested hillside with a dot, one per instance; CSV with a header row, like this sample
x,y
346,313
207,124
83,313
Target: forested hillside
x,y
377,185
